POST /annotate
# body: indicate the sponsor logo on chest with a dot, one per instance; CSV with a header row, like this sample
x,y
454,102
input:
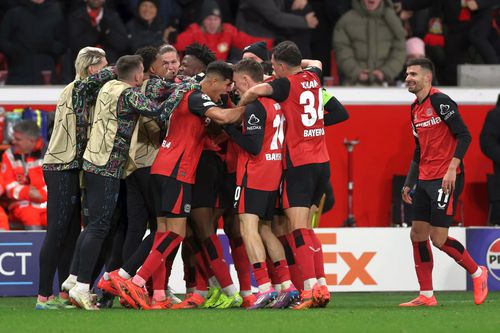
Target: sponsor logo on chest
x,y
428,123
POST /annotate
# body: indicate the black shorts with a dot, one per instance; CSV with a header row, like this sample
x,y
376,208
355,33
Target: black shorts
x,y
209,180
304,185
172,197
430,204
225,198
260,203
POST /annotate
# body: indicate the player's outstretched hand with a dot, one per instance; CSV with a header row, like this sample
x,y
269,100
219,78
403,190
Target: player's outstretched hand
x,y
405,195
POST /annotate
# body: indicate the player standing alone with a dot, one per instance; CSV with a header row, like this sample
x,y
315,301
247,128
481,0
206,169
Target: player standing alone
x,y
441,139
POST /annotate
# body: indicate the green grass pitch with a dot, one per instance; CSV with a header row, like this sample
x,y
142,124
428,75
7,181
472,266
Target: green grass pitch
x,y
348,312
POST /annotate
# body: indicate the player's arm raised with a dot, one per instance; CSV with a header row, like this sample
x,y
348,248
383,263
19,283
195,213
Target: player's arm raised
x,y
311,63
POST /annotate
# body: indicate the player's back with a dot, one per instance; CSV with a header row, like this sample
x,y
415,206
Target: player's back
x,y
263,171
304,126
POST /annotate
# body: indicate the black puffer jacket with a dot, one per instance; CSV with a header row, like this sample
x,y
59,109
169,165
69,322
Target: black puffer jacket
x,y
141,34
31,36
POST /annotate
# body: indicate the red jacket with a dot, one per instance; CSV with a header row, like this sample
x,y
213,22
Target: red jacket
x,y
221,42
20,171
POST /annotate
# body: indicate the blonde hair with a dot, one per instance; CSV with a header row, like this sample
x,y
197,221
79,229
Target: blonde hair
x,y
87,57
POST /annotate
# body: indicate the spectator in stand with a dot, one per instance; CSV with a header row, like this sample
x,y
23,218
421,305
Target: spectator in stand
x,y
147,28
219,37
93,24
270,19
190,11
415,48
490,145
4,219
23,176
31,37
465,23
369,42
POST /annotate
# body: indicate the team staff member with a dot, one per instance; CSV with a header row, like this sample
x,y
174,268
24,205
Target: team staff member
x,y
61,168
258,177
441,139
175,167
305,160
119,104
144,146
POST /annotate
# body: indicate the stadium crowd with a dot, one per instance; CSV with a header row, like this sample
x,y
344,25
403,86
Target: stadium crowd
x,y
358,45
172,141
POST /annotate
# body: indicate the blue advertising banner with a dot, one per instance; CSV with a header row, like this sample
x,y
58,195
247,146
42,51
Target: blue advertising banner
x,y
484,246
19,252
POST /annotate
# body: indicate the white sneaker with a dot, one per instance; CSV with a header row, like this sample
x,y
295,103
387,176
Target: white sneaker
x,y
170,293
82,299
68,284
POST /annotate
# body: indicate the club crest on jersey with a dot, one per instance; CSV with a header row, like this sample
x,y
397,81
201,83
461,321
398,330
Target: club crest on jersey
x,y
445,108
428,112
253,120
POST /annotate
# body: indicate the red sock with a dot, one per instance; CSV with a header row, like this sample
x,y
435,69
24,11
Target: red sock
x,y
169,262
159,281
424,262
294,269
271,270
241,263
319,264
212,248
260,273
301,244
282,271
162,247
201,281
456,250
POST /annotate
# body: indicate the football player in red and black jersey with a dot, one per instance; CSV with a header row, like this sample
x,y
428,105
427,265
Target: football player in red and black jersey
x,y
174,170
306,161
258,177
441,139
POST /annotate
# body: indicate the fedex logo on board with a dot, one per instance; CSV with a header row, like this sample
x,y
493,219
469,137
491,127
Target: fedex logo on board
x,y
357,265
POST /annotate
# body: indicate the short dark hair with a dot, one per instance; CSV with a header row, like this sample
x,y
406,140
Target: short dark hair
x,y
148,55
28,127
250,67
221,68
201,52
126,65
425,63
287,52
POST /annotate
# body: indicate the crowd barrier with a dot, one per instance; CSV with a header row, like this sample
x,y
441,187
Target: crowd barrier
x,y
356,259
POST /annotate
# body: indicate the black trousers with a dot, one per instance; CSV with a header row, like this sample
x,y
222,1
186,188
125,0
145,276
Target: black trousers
x,y
140,210
63,227
102,196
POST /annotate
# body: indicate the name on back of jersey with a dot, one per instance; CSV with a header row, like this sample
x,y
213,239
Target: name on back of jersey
x,y
273,157
314,132
309,84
